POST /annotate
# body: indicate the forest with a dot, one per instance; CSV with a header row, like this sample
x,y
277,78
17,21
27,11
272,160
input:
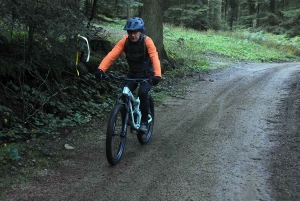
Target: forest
x,y
276,16
47,84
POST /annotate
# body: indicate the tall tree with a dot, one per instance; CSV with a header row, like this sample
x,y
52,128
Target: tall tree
x,y
92,12
152,15
252,12
233,12
214,14
272,6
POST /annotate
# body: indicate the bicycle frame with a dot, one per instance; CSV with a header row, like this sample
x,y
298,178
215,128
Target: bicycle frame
x,y
133,107
131,103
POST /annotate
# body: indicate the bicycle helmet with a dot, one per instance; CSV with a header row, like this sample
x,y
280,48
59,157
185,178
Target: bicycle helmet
x,y
135,23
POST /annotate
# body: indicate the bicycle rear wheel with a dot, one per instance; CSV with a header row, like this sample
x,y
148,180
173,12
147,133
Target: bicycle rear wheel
x,y
145,137
116,134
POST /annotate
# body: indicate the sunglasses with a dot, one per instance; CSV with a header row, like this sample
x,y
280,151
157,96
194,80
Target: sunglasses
x,y
132,32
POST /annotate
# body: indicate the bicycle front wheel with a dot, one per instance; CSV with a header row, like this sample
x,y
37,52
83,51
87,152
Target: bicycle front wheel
x,y
116,134
145,137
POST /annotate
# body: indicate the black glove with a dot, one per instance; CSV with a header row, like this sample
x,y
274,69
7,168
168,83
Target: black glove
x,y
156,80
99,74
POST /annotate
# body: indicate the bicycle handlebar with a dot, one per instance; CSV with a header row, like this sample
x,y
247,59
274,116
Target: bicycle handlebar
x,y
139,80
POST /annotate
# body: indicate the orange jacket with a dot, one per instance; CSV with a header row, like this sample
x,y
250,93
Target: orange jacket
x,y
119,48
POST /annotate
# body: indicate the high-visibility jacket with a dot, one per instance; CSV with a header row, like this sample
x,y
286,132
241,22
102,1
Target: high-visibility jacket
x,y
135,56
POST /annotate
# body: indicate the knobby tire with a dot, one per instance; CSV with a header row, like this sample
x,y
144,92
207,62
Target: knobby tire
x,y
116,135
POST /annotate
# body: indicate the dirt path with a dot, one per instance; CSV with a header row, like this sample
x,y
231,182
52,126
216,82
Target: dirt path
x,y
216,144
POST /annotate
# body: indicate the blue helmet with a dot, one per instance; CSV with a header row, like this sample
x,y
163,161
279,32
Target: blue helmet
x,y
135,23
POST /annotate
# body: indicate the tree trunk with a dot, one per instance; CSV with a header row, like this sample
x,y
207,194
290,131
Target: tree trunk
x,y
93,12
252,13
214,12
272,6
233,13
218,14
153,18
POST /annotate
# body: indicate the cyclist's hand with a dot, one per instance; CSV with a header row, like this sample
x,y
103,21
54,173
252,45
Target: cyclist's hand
x,y
99,74
156,80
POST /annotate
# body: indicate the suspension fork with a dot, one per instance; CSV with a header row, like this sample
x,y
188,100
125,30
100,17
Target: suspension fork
x,y
124,100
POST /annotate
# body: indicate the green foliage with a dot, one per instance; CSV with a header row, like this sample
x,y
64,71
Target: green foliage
x,y
187,15
54,106
282,43
190,47
291,13
47,110
290,23
185,48
130,4
37,76
8,152
45,34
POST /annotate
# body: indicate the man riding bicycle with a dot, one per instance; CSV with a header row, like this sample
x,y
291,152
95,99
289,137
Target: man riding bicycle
x,y
143,61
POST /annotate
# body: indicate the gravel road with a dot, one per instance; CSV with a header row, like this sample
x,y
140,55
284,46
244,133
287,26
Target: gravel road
x,y
217,143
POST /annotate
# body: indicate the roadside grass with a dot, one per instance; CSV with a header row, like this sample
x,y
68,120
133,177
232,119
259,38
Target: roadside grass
x,y
192,46
290,46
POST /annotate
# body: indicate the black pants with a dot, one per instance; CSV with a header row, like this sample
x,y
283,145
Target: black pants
x,y
143,91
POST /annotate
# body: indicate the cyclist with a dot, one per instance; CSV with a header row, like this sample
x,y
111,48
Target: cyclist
x,y
143,61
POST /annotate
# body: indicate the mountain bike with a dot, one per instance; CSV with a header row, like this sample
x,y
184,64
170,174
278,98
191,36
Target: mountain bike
x,y
126,114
